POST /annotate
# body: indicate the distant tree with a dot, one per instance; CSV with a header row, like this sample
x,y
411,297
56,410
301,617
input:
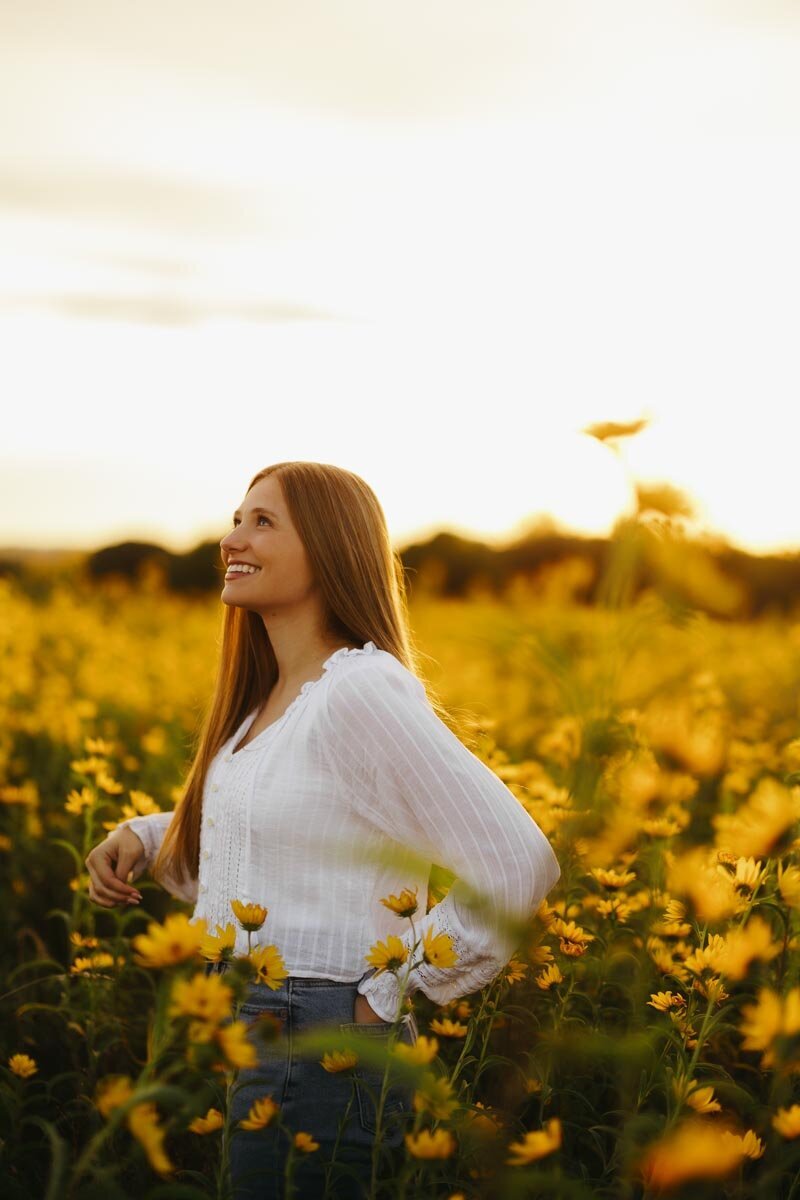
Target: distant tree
x,y
126,559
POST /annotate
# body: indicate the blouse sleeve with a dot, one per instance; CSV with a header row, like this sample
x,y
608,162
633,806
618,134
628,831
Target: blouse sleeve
x,y
150,830
411,777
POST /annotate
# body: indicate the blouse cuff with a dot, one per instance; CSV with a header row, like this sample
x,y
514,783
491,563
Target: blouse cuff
x,y
383,992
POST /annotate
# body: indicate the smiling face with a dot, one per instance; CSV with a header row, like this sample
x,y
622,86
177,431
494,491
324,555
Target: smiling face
x,y
268,541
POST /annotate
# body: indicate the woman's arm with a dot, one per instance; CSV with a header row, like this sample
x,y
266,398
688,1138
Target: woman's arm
x,y
150,830
409,775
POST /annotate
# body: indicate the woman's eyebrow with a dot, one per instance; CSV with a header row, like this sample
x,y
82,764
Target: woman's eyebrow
x,y
268,511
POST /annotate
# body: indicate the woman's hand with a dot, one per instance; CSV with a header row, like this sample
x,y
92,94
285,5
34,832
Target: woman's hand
x,y
364,1013
110,863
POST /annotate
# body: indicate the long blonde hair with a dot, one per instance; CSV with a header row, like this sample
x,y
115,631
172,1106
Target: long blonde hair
x,y
362,584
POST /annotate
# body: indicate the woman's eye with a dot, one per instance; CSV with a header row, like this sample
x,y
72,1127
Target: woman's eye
x,y
261,517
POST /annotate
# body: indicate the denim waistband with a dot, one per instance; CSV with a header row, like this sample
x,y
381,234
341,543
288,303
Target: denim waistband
x,y
299,980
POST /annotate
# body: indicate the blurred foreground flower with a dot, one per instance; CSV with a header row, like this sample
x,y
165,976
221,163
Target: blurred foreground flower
x,y
692,1150
439,1144
141,1119
770,1018
536,1144
305,1142
206,997
177,940
787,1121
338,1060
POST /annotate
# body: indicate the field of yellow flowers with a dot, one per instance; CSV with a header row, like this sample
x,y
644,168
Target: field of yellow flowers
x,y
643,1041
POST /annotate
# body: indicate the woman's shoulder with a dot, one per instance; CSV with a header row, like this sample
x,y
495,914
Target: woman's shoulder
x,y
370,670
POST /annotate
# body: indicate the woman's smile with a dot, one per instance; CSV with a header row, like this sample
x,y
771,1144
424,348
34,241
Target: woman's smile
x,y
240,572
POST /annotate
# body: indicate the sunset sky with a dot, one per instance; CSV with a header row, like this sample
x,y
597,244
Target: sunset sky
x,y
428,242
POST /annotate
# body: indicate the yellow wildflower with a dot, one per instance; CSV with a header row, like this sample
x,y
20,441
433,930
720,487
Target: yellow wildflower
x,y
692,1150
573,940
789,884
664,1001
448,1028
742,945
438,949
219,947
97,962
750,1144
108,784
98,746
112,1091
405,905
762,826
305,1142
177,940
438,1144
88,766
769,1018
143,1124
423,1051
536,1144
339,1060
689,1091
697,875
539,956
205,997
212,1121
77,801
261,1113
709,958
387,956
748,876
515,970
787,1121
435,1095
78,939
232,1040
549,977
674,912
616,907
22,1065
482,1122
612,879
142,803
270,967
250,916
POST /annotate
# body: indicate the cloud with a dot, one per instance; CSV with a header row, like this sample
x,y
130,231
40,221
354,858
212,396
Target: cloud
x,y
135,199
164,310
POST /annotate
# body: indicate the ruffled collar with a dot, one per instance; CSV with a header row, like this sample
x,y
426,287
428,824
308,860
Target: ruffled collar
x,y
309,685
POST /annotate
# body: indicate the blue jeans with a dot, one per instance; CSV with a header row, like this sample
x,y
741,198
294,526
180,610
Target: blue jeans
x,y
328,1105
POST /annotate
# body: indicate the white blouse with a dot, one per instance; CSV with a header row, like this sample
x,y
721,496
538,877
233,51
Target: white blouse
x,y
350,796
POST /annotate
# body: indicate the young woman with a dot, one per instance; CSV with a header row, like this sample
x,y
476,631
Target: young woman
x,y
325,780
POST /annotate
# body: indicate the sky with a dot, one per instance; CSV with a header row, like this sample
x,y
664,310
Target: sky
x,y
432,243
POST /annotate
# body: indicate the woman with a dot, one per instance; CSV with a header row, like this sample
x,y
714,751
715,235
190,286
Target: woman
x,y
326,780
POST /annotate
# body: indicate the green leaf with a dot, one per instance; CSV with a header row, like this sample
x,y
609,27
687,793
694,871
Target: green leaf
x,y
58,1149
68,846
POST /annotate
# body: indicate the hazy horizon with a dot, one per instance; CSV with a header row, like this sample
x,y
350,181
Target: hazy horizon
x,y
430,245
